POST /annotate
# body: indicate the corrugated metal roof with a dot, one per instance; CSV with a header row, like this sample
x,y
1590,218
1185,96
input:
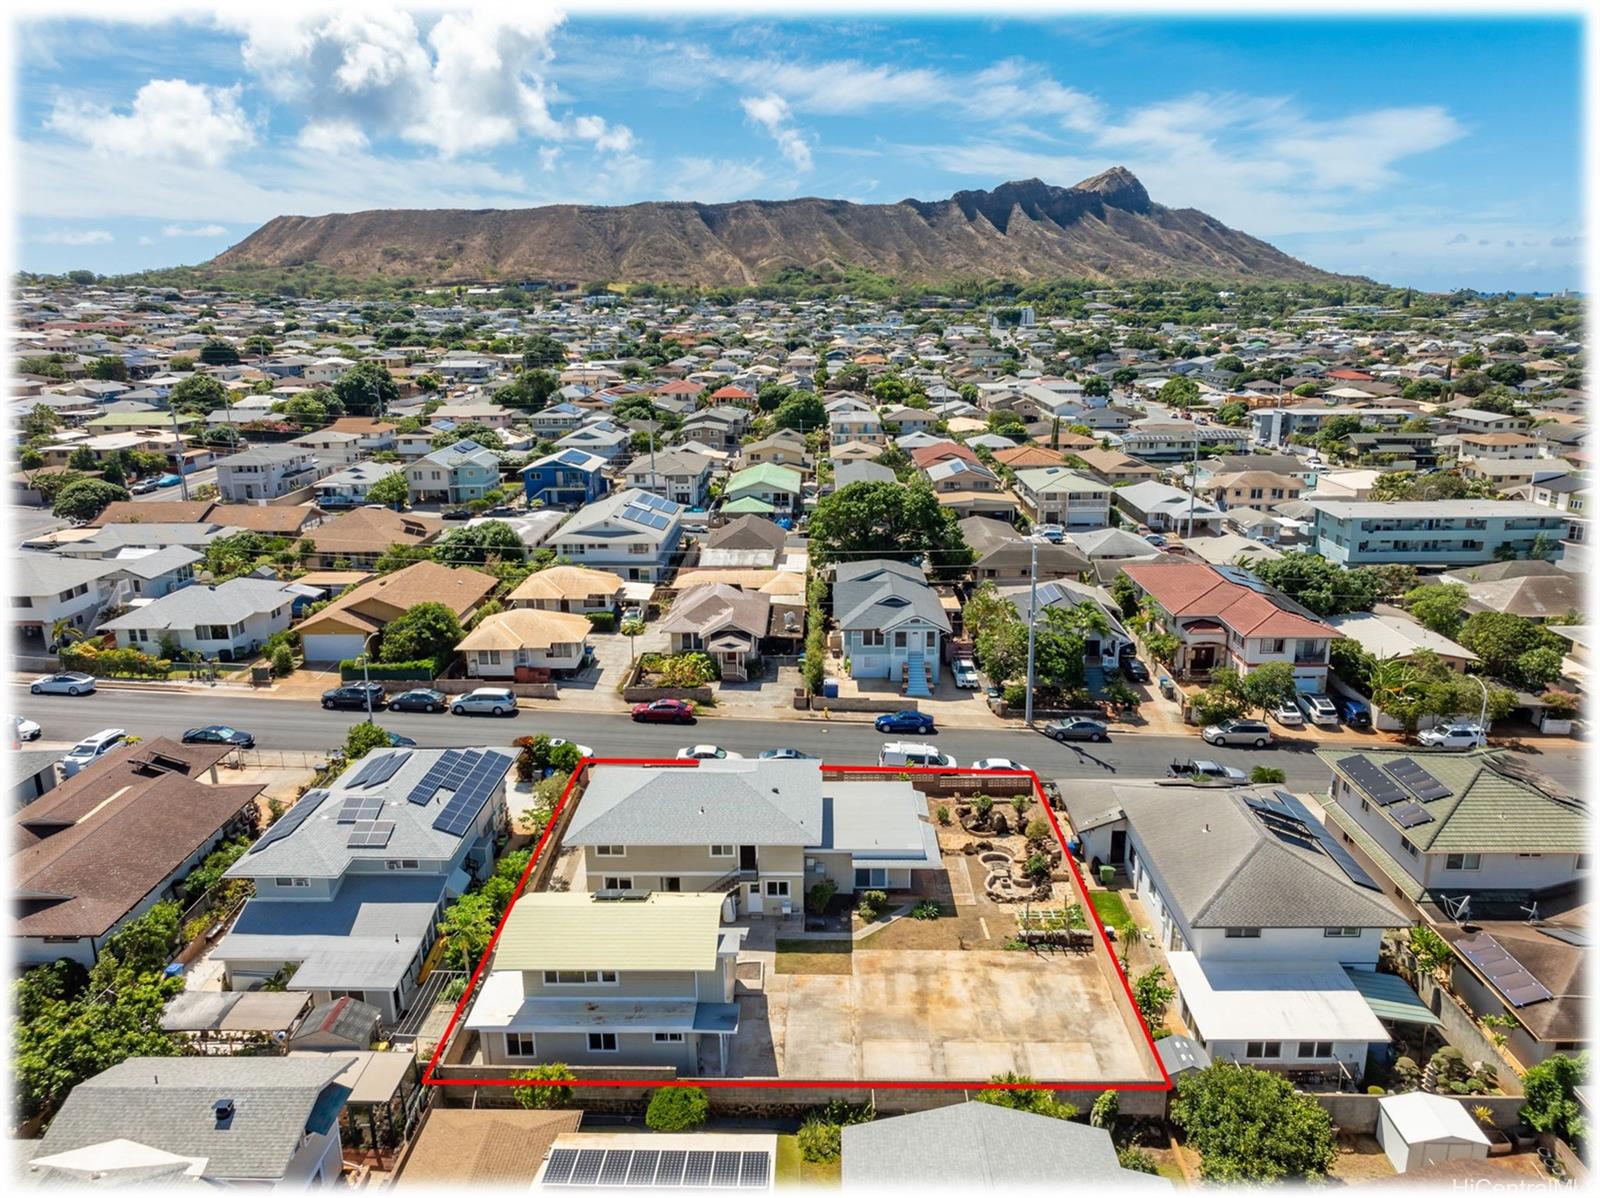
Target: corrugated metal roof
x,y
577,931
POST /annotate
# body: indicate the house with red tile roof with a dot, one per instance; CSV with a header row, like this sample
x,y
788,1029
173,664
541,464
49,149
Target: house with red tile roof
x,y
928,456
1225,617
732,394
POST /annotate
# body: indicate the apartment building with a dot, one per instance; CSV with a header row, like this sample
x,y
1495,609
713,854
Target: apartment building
x,y
1450,532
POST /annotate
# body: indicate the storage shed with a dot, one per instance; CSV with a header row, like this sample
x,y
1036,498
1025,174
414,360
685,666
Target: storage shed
x,y
1417,1130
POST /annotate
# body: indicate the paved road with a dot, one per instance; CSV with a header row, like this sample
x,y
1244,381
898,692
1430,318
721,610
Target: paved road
x,y
287,724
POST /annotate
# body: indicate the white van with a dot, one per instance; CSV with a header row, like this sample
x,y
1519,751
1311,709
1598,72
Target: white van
x,y
904,752
486,700
90,749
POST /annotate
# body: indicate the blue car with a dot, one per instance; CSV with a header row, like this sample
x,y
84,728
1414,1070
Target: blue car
x,y
168,480
904,721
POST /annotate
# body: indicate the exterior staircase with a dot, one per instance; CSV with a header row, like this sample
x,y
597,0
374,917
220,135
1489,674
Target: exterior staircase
x,y
1094,677
917,677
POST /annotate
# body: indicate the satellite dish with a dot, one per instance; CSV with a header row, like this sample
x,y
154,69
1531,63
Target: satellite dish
x,y
1459,908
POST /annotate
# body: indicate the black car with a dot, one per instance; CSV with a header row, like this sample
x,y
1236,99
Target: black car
x,y
459,513
1135,670
355,697
421,699
219,734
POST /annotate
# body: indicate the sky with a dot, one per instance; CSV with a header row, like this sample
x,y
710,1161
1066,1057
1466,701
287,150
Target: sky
x,y
1429,153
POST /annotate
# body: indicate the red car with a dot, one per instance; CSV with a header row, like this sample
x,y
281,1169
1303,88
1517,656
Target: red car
x,y
664,711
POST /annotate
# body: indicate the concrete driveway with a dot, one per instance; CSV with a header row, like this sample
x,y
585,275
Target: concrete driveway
x,y
943,1016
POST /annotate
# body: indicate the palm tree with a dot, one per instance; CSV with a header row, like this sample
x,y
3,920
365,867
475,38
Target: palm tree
x,y
630,629
1397,690
63,632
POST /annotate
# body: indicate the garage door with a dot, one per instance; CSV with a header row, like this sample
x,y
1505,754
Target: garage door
x,y
332,648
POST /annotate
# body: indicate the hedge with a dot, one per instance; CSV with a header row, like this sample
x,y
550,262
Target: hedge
x,y
351,670
603,621
114,663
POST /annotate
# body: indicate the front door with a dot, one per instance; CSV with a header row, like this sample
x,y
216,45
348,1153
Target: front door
x,y
753,898
1202,658
1119,846
747,857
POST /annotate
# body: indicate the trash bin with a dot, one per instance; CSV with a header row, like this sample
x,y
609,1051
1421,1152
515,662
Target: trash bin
x,y
830,690
173,970
260,675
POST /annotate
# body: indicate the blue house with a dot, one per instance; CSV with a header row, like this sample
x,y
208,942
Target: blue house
x,y
566,478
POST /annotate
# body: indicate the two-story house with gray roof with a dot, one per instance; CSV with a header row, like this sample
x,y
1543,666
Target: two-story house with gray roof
x,y
265,472
458,473
632,533
891,622
680,475
351,880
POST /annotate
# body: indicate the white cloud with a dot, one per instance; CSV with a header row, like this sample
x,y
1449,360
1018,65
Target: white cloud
x,y
713,180
1017,89
145,240
331,137
76,237
194,231
170,119
771,112
475,81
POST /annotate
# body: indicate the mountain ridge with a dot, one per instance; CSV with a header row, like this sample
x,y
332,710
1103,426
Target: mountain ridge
x,y
1106,227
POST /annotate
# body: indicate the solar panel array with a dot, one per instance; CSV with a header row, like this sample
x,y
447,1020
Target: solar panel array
x,y
652,1168
638,514
291,819
1326,839
435,777
1507,974
385,767
1417,780
370,834
472,793
1410,815
655,503
573,457
1377,785
360,807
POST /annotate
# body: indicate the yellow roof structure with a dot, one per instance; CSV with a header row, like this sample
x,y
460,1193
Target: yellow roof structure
x,y
527,628
665,931
566,582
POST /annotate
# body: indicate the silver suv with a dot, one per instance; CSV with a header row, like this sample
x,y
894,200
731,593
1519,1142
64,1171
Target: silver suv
x,y
486,700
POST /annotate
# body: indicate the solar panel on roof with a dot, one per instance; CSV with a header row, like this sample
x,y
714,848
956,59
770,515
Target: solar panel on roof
x,y
360,807
670,1171
587,1168
430,782
363,772
1505,973
370,834
642,1172
725,1170
1572,936
291,819
1410,815
1372,781
462,810
386,767
559,1171
615,1168
1336,851
753,1170
697,1169
1417,780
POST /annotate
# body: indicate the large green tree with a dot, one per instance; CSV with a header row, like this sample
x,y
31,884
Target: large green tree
x,y
802,412
1318,584
390,489
1249,1125
197,393
529,391
477,543
1502,639
86,499
903,523
1551,1090
1439,606
424,631
366,389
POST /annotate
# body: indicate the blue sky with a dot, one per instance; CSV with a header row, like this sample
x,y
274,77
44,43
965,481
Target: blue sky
x,y
1436,154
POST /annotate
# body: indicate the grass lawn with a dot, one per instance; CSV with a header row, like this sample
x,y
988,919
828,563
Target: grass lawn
x,y
1113,913
812,956
793,1170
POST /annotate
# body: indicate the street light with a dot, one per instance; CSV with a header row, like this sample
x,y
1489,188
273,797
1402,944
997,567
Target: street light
x,y
1483,712
366,678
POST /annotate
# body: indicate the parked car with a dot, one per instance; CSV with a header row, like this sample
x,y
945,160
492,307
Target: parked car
x,y
896,752
422,698
23,730
664,711
396,741
145,486
999,763
1156,539
583,750
786,755
905,721
1238,732
219,734
1319,710
355,697
1134,670
486,700
1454,736
1053,533
90,749
501,509
457,513
1288,714
1355,713
1078,729
63,684
168,480
1206,769
966,672
707,753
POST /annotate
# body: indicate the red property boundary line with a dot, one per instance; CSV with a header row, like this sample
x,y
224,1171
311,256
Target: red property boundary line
x,y
428,1078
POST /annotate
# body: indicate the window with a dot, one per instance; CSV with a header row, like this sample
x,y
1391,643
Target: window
x,y
899,640
580,977
669,1037
722,850
610,850
1461,861
602,1041
1408,846
872,877
1366,806
777,890
1272,646
1341,933
1263,1050
1316,1050
616,883
871,638
401,863
672,885
1242,933
491,657
290,883
519,1044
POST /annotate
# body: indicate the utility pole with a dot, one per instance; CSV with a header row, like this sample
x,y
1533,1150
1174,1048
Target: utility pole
x,y
177,437
1194,482
1033,618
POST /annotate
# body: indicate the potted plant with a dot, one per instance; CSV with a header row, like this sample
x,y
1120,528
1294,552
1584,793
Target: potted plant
x,y
1500,1144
